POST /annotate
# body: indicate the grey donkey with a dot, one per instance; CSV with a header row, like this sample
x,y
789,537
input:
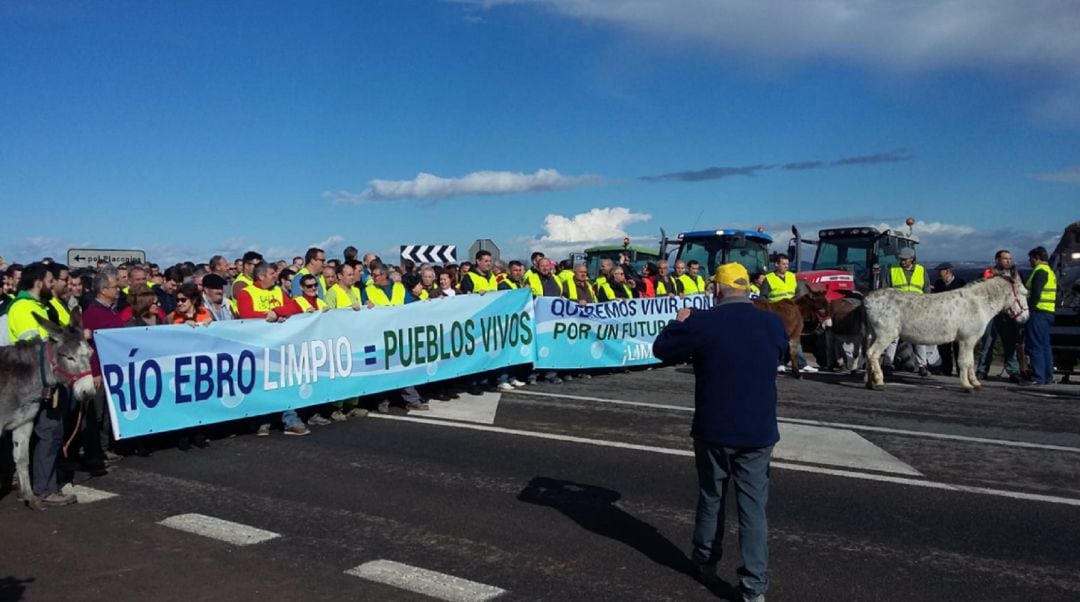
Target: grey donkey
x,y
29,372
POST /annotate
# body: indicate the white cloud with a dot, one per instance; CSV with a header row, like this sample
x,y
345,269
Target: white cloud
x,y
957,242
331,242
907,35
1069,175
430,186
563,235
595,225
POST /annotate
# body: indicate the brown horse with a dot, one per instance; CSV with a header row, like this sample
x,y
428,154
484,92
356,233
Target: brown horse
x,y
795,313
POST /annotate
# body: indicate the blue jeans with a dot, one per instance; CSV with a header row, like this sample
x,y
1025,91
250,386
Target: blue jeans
x,y
1008,331
290,418
750,467
1037,337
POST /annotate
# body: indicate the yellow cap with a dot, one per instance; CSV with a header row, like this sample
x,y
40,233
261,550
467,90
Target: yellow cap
x,y
733,275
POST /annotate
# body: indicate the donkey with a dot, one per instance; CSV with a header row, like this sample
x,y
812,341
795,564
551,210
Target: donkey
x,y
811,307
960,315
847,326
29,373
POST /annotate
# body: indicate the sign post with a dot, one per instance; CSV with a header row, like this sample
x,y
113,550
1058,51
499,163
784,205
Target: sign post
x,y
89,258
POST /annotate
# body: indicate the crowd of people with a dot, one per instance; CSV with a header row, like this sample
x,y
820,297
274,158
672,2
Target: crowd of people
x,y
251,287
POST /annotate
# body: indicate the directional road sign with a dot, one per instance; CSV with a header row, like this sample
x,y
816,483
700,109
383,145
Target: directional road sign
x,y
89,258
430,253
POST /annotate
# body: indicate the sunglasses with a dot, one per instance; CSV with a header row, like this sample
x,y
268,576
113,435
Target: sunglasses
x,y
309,286
182,299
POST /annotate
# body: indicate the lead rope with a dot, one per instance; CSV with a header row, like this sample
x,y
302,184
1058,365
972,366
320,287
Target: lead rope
x,y
79,416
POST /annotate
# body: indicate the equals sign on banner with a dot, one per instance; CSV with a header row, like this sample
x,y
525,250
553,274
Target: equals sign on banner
x,y
369,351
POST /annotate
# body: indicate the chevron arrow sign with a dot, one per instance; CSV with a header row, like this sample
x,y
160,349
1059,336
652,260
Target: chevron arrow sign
x,y
430,253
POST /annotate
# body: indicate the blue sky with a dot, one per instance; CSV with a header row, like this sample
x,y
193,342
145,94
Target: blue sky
x,y
189,128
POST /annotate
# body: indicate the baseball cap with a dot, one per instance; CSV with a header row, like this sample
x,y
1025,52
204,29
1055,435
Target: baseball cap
x,y
943,266
733,275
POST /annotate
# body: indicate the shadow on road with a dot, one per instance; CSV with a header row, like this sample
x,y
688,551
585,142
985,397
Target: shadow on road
x,y
13,588
594,509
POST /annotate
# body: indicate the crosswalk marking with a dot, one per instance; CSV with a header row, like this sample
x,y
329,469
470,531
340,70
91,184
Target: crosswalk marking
x,y
216,528
87,495
426,582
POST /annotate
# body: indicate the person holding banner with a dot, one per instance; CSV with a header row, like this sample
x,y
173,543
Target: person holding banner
x,y
665,283
344,294
579,289
515,277
616,287
478,278
261,300
383,292
734,348
544,283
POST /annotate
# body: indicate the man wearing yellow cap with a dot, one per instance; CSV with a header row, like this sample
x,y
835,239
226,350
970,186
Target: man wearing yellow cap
x,y
735,348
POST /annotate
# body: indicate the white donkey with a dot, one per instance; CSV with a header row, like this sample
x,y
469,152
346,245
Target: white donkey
x,y
960,315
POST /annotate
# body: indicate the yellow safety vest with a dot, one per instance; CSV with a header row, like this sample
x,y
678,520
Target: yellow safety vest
x,y
508,282
755,289
482,284
263,300
780,289
570,289
378,297
609,292
244,280
319,304
537,286
62,313
343,299
900,281
692,285
566,275
21,323
1048,299
662,286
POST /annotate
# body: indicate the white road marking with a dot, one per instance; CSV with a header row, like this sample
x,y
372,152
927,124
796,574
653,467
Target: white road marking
x,y
782,465
216,528
470,408
87,495
836,447
426,582
841,425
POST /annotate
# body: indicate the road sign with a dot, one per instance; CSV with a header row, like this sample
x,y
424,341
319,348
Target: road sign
x,y
429,253
89,258
484,244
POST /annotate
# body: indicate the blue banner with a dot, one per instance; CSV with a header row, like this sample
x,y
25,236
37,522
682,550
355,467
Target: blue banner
x,y
171,377
604,335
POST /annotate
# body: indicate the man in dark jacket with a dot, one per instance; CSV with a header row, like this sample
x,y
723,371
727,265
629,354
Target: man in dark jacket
x,y
947,281
735,348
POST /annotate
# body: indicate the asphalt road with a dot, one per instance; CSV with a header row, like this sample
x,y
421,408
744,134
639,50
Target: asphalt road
x,y
585,491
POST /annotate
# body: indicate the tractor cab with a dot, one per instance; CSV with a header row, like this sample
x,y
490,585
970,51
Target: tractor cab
x,y
857,255
712,248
